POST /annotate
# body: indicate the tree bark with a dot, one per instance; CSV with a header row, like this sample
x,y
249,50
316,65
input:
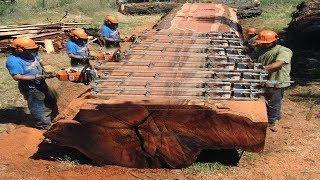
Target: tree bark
x,y
147,8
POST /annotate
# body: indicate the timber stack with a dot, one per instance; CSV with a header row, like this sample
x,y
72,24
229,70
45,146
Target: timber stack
x,y
176,92
54,32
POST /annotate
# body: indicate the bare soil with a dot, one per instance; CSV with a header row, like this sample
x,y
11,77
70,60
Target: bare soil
x,y
290,153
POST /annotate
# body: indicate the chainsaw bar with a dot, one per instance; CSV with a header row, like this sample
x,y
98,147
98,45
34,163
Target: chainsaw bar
x,y
182,65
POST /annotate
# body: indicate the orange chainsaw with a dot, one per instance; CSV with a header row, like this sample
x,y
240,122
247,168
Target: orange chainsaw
x,y
76,75
115,57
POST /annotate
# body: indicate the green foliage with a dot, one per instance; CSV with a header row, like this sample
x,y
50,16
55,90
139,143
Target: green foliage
x,y
248,155
5,8
64,2
37,11
204,167
67,161
276,14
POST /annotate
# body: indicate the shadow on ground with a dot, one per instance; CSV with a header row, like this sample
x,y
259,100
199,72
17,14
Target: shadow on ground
x,y
15,115
52,152
228,157
305,66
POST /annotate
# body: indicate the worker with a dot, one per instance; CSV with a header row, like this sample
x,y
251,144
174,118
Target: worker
x,y
109,32
27,68
251,37
77,48
275,59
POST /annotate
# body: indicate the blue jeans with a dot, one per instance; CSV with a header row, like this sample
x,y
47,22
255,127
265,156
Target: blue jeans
x,y
41,103
274,98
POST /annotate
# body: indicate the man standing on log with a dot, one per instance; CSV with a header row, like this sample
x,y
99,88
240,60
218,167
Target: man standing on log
x,y
276,60
26,67
77,48
109,32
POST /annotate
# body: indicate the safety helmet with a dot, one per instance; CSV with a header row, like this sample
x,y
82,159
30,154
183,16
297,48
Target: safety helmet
x,y
80,33
112,19
251,31
267,36
24,43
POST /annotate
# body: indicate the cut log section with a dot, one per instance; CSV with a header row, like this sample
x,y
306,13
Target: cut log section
x,y
154,133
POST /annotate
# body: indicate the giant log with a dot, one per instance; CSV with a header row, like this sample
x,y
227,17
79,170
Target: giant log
x,y
157,133
245,8
147,8
150,111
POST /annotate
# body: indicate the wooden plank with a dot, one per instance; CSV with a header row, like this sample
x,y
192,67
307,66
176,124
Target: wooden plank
x,y
39,35
48,45
42,25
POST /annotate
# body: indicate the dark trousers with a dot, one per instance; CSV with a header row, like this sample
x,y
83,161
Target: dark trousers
x,y
274,99
42,102
110,44
78,62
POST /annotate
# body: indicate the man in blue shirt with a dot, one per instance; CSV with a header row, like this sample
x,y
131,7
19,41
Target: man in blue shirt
x,y
77,48
26,67
109,32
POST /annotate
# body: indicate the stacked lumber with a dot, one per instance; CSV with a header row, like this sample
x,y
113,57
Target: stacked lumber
x,y
304,29
39,32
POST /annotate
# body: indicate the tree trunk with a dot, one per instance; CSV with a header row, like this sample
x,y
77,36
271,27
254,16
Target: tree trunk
x,y
169,124
147,8
160,134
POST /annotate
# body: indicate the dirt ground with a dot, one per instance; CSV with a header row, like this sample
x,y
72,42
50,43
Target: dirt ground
x,y
290,153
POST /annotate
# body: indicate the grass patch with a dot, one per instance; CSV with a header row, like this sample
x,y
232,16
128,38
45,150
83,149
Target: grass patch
x,y
10,95
88,11
276,15
248,155
204,167
308,94
67,161
6,8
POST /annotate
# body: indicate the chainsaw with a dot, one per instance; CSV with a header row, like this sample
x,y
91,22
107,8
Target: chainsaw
x,y
115,57
83,75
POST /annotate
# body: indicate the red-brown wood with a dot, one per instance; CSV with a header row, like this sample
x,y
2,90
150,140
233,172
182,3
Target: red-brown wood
x,y
164,132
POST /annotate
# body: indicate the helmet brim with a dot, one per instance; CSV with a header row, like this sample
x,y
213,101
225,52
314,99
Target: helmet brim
x,y
28,48
83,37
32,48
264,42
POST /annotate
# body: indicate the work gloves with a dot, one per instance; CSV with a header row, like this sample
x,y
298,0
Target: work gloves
x,y
44,76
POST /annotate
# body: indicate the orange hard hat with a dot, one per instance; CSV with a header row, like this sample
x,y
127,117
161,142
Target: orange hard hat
x,y
267,36
111,19
25,43
251,31
80,33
